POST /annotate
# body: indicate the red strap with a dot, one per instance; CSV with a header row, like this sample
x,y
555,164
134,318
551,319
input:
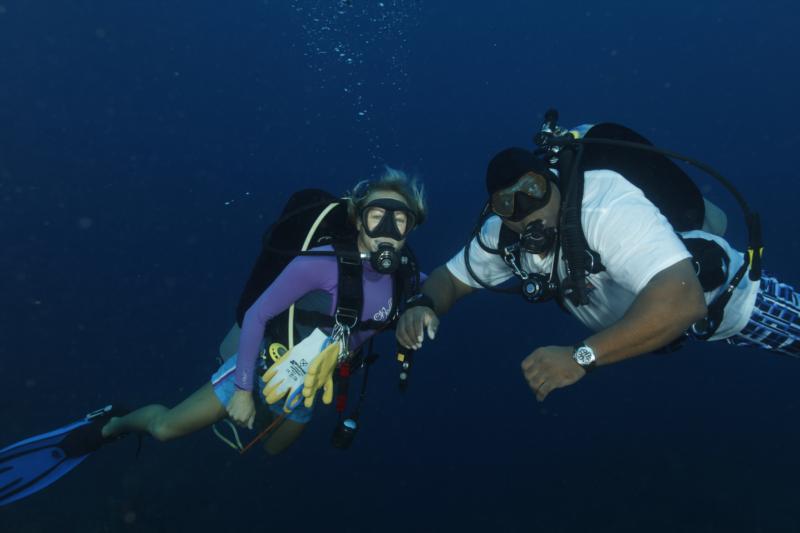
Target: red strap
x,y
341,394
341,403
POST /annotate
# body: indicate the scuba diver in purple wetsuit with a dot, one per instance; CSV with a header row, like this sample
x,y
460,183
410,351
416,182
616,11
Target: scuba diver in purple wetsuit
x,y
332,294
383,213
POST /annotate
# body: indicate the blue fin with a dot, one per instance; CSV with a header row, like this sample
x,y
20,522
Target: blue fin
x,y
32,464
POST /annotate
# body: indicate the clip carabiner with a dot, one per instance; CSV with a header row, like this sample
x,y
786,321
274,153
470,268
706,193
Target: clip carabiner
x,y
510,259
341,334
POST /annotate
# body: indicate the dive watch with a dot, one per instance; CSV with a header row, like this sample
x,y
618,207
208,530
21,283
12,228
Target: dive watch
x,y
585,356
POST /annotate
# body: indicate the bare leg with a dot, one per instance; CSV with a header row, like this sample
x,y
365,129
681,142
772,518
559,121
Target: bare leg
x,y
199,410
283,436
280,437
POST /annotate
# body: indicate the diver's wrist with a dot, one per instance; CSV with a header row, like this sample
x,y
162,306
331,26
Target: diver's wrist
x,y
585,356
421,300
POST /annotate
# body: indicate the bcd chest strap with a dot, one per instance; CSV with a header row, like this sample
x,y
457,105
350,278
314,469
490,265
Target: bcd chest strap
x,y
350,294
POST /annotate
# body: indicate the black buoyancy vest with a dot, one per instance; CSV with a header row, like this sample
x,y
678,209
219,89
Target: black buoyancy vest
x,y
665,184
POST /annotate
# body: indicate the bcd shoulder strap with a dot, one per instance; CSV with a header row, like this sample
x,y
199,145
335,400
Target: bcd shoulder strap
x,y
573,240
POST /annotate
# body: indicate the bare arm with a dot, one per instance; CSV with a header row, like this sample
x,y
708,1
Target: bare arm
x,y
444,290
664,309
670,303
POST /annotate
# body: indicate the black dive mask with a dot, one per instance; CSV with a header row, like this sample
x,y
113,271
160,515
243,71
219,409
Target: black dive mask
x,y
537,239
386,260
390,225
529,193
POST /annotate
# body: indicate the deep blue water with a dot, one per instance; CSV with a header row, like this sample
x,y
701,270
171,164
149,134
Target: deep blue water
x,y
144,147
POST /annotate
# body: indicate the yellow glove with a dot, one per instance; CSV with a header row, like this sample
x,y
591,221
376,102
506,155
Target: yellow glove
x,y
320,375
286,377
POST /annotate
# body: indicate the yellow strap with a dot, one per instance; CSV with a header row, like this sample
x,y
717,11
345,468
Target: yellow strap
x,y
309,236
750,253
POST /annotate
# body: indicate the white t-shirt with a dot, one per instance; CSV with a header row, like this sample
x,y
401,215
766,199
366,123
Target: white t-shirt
x,y
635,242
743,300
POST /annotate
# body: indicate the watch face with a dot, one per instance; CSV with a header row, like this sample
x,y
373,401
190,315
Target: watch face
x,y
584,356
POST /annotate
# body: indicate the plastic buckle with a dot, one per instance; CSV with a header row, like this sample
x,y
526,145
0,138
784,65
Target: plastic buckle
x,y
347,260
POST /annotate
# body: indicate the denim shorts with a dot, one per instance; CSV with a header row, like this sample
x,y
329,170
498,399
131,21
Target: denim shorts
x,y
224,385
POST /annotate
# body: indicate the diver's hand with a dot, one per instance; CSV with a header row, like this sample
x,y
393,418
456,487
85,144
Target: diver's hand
x,y
413,324
549,368
242,409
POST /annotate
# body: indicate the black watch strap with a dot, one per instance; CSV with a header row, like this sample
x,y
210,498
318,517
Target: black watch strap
x,y
587,367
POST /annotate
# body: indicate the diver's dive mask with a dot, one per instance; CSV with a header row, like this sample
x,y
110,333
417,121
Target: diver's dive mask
x,y
529,193
389,218
536,238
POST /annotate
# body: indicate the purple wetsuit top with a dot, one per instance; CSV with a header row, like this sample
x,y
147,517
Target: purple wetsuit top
x,y
302,275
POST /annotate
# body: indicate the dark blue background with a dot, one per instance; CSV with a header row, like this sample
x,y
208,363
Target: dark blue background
x,y
144,147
